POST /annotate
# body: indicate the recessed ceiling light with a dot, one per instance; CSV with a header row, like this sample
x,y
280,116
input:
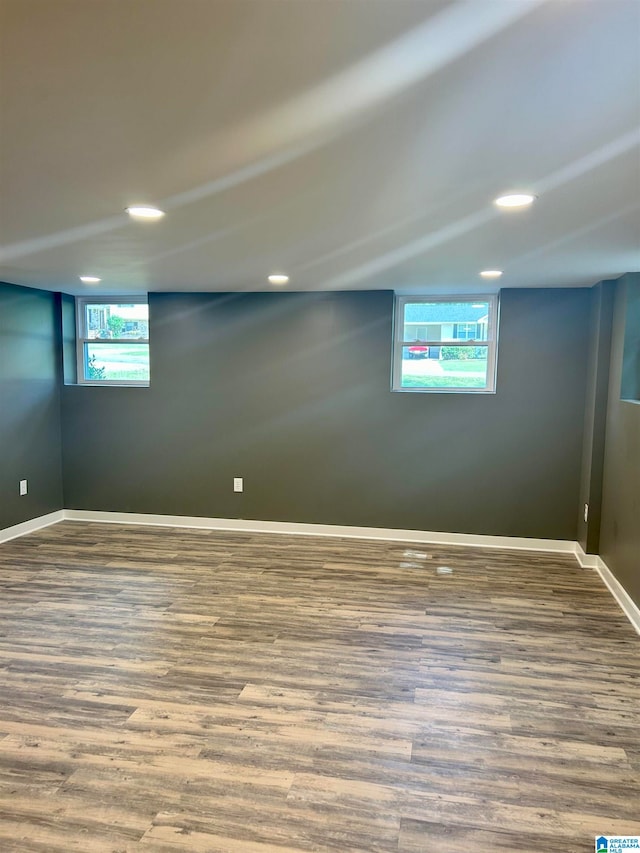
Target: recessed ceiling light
x,y
278,278
90,279
144,211
491,273
515,200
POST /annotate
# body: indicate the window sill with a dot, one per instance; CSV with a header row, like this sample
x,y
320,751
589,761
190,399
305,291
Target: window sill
x,y
108,384
469,391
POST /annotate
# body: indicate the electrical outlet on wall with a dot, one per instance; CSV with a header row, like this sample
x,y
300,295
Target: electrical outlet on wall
x,y
23,487
238,484
586,513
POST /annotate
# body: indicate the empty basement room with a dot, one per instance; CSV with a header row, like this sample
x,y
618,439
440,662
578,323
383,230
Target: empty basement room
x,y
319,426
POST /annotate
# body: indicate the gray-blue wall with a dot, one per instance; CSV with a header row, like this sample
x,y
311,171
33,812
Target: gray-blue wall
x,y
30,443
620,531
291,392
595,415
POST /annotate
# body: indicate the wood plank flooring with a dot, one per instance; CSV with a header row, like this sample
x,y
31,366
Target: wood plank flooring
x,y
174,690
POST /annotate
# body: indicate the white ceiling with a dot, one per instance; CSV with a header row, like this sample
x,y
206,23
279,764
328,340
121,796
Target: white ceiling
x,y
354,144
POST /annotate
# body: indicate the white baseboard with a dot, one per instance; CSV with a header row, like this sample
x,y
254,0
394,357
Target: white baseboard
x,y
587,561
31,525
386,534
558,546
628,605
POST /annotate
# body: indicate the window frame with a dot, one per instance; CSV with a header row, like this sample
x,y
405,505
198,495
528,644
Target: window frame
x,y
82,340
491,341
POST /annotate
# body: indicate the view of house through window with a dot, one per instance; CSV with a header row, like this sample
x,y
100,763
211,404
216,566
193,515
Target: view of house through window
x,y
445,344
113,341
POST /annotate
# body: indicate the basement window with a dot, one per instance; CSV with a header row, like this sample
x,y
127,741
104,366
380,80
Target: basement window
x,y
113,341
445,344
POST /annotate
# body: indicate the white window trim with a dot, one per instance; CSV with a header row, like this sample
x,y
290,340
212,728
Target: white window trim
x,y
491,343
82,339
